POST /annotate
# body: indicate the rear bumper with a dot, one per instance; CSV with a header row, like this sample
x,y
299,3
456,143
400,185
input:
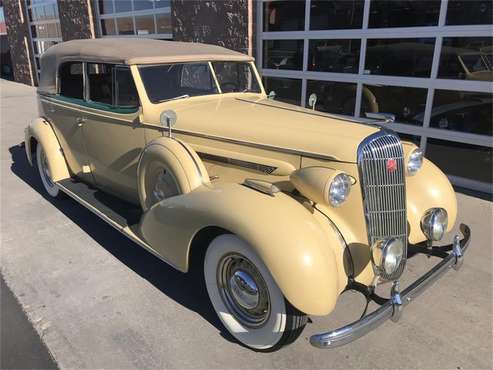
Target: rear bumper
x,y
392,307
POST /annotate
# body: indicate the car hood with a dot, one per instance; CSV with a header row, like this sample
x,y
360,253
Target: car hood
x,y
260,121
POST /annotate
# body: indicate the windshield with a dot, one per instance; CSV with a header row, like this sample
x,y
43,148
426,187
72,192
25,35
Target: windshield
x,y
182,80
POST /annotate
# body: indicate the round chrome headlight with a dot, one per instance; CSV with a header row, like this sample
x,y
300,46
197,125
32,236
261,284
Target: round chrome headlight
x,y
434,223
387,255
339,189
414,162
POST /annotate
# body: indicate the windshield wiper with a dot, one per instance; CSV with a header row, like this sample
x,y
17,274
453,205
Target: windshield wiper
x,y
175,98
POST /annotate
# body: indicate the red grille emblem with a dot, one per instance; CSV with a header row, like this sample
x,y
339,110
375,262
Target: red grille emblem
x,y
391,165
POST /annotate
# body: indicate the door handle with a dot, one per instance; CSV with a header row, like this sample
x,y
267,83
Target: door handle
x,y
51,110
80,121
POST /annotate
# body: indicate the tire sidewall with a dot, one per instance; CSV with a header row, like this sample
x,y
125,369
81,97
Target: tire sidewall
x,y
52,190
270,333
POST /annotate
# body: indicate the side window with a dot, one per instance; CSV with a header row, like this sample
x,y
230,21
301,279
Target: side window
x,y
71,80
112,85
100,83
125,91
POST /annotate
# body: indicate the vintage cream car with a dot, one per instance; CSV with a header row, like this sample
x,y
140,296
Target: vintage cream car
x,y
178,147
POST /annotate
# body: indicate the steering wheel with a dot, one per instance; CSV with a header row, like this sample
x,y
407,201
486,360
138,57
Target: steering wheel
x,y
232,87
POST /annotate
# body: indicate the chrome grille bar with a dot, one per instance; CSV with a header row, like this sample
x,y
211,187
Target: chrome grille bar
x,y
384,191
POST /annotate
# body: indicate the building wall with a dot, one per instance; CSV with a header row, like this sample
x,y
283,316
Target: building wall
x,y
220,22
19,42
76,19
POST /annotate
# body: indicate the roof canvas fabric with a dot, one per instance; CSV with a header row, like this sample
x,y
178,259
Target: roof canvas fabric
x,y
128,51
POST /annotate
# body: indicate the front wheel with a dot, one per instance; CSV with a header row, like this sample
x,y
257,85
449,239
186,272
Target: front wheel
x,y
45,174
246,298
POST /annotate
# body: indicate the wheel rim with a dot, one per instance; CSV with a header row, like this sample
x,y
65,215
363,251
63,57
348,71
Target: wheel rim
x,y
243,290
45,170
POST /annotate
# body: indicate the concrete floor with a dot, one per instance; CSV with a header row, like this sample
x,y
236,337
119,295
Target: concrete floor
x,y
99,301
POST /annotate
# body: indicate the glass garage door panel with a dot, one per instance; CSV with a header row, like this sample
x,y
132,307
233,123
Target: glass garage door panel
x,y
400,57
283,54
334,56
469,112
336,14
333,97
462,12
467,58
399,13
463,160
285,15
287,90
406,103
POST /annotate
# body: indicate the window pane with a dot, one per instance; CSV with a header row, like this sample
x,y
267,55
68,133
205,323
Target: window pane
x,y
334,56
108,27
71,80
467,58
403,13
469,12
144,24
125,26
163,3
283,54
336,14
333,97
464,160
105,6
100,83
287,89
142,4
236,77
163,23
125,91
163,82
123,6
407,103
400,57
463,111
284,15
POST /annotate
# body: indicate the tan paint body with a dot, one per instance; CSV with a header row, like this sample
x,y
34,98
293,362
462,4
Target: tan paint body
x,y
303,247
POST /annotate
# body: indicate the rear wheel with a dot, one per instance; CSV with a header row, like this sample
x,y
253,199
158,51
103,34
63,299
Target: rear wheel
x,y
246,298
45,174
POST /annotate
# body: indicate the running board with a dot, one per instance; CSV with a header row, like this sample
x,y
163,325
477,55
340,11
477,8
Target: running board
x,y
123,216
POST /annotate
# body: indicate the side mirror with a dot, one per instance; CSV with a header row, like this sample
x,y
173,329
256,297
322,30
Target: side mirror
x,y
312,101
168,119
272,95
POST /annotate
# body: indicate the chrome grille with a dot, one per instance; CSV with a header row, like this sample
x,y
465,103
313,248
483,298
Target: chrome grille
x,y
384,191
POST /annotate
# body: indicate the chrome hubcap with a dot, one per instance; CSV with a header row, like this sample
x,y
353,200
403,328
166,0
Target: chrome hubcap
x,y
243,290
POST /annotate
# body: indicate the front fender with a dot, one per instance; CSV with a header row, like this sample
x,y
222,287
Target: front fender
x,y
428,188
291,242
42,132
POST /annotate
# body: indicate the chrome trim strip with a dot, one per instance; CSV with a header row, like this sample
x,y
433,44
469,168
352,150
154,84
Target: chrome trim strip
x,y
237,162
254,145
363,326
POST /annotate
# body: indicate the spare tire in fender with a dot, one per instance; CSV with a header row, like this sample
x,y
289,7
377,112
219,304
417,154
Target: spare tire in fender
x,y
168,167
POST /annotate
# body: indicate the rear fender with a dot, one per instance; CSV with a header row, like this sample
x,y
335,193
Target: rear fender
x,y
296,247
42,132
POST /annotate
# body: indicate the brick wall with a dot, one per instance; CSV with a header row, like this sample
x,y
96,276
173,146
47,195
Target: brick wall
x,y
219,22
19,41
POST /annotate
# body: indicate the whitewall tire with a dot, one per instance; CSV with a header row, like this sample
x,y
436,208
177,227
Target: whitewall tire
x,y
246,298
44,172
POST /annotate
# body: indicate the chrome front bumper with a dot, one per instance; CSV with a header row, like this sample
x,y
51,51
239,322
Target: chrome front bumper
x,y
391,308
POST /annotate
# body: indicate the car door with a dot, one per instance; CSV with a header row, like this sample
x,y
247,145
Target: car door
x,y
64,110
113,137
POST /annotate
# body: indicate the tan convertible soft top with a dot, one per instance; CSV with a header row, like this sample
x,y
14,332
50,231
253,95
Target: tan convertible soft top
x,y
128,51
